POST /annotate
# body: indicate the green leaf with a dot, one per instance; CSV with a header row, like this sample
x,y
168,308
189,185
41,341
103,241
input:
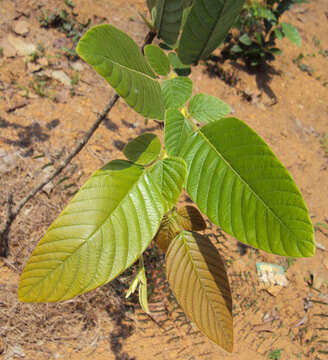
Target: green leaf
x,y
170,175
168,19
157,59
207,108
116,57
244,39
278,33
176,92
236,180
291,33
176,131
144,149
266,14
178,67
102,231
207,26
236,49
197,276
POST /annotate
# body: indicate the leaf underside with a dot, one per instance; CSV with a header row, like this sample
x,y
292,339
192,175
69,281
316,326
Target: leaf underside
x,y
168,19
206,27
184,218
116,57
197,276
236,180
102,231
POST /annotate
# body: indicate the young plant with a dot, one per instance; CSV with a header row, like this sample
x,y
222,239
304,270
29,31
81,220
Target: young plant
x,y
259,27
227,169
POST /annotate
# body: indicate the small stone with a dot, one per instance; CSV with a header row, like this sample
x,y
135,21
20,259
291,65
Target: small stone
x,y
43,62
21,28
77,66
8,160
22,47
31,67
61,77
325,263
8,50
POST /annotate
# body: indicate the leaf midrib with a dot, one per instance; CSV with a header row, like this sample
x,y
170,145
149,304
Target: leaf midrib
x,y
252,190
127,68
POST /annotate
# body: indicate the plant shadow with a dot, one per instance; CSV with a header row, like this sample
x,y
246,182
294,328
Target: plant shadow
x,y
263,74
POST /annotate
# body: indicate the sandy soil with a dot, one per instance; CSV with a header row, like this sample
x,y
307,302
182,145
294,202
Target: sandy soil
x,y
40,119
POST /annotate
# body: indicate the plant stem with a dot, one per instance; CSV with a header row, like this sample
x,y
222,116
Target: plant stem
x,y
13,211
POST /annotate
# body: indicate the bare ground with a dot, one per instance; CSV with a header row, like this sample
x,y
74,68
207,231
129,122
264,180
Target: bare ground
x,y
40,119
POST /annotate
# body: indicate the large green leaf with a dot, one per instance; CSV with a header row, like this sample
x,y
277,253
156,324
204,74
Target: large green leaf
x,y
176,131
102,231
291,33
144,149
207,26
157,59
168,19
116,57
199,281
176,92
207,108
236,180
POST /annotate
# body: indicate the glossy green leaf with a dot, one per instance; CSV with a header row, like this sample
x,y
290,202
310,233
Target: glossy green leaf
x,y
170,175
176,92
207,108
144,149
116,57
176,131
157,59
237,181
197,276
291,33
102,231
207,26
168,19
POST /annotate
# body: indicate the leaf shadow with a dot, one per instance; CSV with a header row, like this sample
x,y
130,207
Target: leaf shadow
x,y
208,251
